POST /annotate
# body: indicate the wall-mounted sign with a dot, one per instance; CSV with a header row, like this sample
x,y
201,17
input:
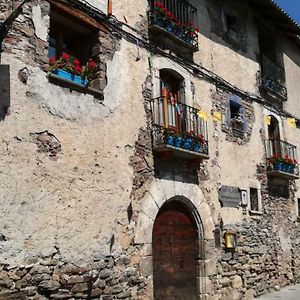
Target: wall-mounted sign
x,y
230,196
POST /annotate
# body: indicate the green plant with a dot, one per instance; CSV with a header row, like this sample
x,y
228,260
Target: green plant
x,y
64,63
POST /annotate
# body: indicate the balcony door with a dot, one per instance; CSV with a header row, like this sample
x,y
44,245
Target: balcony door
x,y
274,137
172,84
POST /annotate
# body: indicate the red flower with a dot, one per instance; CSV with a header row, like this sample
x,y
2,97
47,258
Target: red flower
x,y
76,62
91,64
65,56
77,70
158,4
52,60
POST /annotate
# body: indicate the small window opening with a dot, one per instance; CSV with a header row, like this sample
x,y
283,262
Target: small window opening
x,y
254,203
232,23
237,116
298,207
71,36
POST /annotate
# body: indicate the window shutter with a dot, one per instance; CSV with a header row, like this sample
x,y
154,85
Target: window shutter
x,y
226,116
245,127
4,90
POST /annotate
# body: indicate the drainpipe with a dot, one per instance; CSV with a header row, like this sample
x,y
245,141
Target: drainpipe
x,y
109,8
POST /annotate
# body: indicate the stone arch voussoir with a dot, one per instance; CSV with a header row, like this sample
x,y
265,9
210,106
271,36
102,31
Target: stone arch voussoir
x,y
164,190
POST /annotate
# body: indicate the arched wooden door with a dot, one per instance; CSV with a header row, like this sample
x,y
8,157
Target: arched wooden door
x,y
174,250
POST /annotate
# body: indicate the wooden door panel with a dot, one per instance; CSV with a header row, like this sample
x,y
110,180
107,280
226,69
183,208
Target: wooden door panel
x,y
175,242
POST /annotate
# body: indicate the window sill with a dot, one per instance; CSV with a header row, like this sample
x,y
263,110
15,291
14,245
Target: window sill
x,y
75,86
255,213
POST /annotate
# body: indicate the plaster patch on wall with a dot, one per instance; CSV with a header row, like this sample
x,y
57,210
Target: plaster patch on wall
x,y
40,23
284,240
62,102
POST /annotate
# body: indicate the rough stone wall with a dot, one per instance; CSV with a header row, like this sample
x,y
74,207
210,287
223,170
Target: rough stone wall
x,y
83,204
266,257
221,104
54,278
56,148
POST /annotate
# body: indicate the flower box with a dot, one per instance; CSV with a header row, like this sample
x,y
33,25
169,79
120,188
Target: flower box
x,y
70,77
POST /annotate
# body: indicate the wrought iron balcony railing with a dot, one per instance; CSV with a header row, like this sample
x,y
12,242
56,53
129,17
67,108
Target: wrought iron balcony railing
x,y
177,126
177,18
273,77
282,159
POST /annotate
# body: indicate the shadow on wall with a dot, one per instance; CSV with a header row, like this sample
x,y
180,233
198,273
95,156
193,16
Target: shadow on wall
x,y
4,91
174,169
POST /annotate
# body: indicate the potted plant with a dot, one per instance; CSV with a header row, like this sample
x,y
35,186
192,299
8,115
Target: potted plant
x,y
72,71
237,122
290,164
169,136
187,141
199,141
178,140
167,20
277,162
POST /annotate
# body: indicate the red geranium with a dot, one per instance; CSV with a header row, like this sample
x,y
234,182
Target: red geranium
x,y
77,70
76,62
52,60
91,64
65,56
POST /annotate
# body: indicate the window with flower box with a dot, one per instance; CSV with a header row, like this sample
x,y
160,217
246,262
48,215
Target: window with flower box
x,y
71,40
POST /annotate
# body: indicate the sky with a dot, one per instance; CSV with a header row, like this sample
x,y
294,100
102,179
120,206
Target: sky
x,y
292,7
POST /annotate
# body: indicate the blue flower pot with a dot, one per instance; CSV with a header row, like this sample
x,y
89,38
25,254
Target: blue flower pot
x,y
70,77
187,143
178,141
159,22
197,147
291,169
169,139
285,167
170,28
278,166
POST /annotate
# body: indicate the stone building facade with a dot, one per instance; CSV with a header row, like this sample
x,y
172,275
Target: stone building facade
x,y
172,174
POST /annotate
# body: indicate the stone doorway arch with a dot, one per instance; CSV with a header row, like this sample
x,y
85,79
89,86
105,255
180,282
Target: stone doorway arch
x,y
159,193
175,253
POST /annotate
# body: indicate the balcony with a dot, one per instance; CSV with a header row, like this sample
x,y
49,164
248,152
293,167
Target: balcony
x,y
172,23
177,129
272,81
282,160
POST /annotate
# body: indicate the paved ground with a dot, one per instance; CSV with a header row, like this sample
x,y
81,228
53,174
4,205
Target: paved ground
x,y
289,293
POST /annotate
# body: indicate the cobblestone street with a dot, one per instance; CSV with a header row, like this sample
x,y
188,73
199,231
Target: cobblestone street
x,y
288,293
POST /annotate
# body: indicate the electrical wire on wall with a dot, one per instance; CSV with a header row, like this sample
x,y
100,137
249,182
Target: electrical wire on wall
x,y
141,41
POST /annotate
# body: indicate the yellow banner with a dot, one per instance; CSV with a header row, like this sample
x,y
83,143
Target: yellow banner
x,y
203,115
268,120
291,122
217,116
